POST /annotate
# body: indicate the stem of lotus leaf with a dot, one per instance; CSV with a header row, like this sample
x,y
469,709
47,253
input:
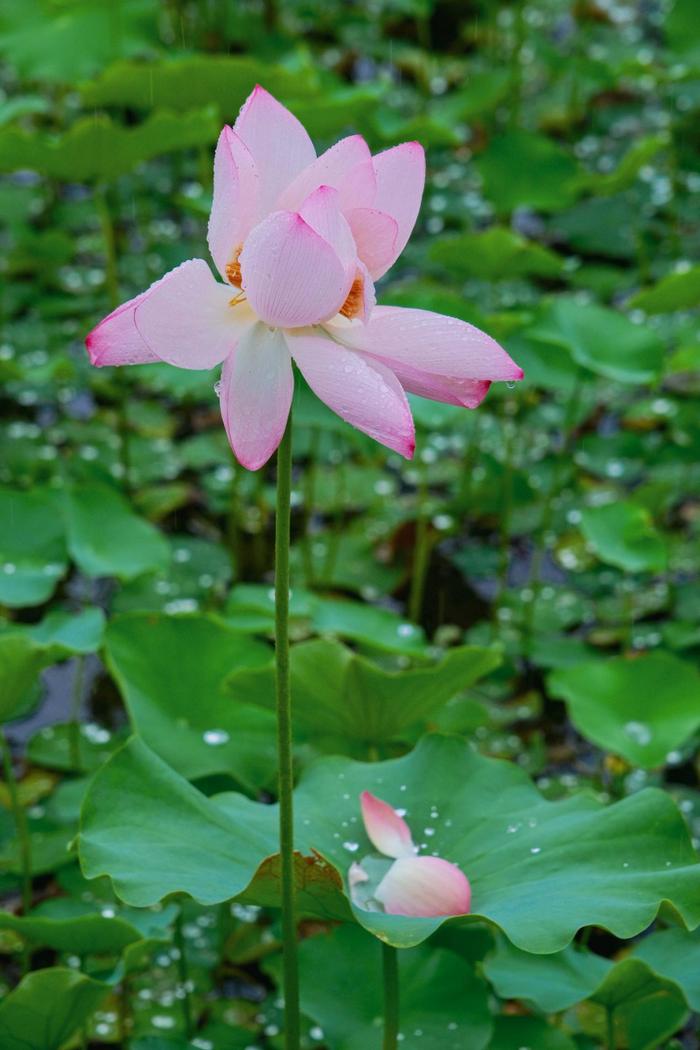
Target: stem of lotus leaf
x,y
390,968
76,700
610,1028
421,553
183,975
20,817
284,741
109,242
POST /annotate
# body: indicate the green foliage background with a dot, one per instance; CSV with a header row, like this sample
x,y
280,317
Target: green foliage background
x,y
525,590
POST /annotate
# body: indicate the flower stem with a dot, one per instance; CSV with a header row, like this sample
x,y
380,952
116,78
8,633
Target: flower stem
x,y
390,967
25,847
284,739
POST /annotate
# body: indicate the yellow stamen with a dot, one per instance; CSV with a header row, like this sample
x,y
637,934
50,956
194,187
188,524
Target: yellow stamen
x,y
354,304
233,269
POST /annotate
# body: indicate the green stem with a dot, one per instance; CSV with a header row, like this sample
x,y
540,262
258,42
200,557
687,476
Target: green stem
x,y
610,1029
507,498
553,491
421,554
184,976
284,740
76,699
309,500
25,846
390,968
109,242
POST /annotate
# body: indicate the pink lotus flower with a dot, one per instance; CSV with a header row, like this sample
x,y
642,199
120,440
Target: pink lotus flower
x,y
299,241
419,886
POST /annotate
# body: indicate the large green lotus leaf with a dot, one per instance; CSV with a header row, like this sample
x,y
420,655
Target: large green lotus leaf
x,y
646,1006
674,953
47,1007
622,534
21,660
338,694
67,925
519,1033
32,547
106,537
676,291
444,1005
191,81
99,149
540,870
548,176
640,707
601,340
496,254
170,671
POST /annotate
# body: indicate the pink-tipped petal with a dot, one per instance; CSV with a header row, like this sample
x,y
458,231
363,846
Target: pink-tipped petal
x,y
185,319
424,887
466,393
116,339
235,202
291,275
362,392
347,167
256,394
278,143
432,344
386,830
322,212
375,235
400,173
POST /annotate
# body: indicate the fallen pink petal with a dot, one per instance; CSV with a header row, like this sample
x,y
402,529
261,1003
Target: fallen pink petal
x,y
386,830
420,886
298,242
424,886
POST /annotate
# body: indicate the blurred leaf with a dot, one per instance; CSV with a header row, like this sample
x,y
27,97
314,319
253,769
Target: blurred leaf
x,y
97,149
47,1007
79,632
442,998
342,695
106,538
622,534
32,547
675,291
21,660
547,175
195,82
170,671
640,707
497,254
61,41
602,340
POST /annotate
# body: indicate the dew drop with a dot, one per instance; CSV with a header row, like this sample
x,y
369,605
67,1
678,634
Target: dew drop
x,y
215,737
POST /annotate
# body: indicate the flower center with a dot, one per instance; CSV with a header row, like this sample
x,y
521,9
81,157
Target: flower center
x,y
353,305
233,269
